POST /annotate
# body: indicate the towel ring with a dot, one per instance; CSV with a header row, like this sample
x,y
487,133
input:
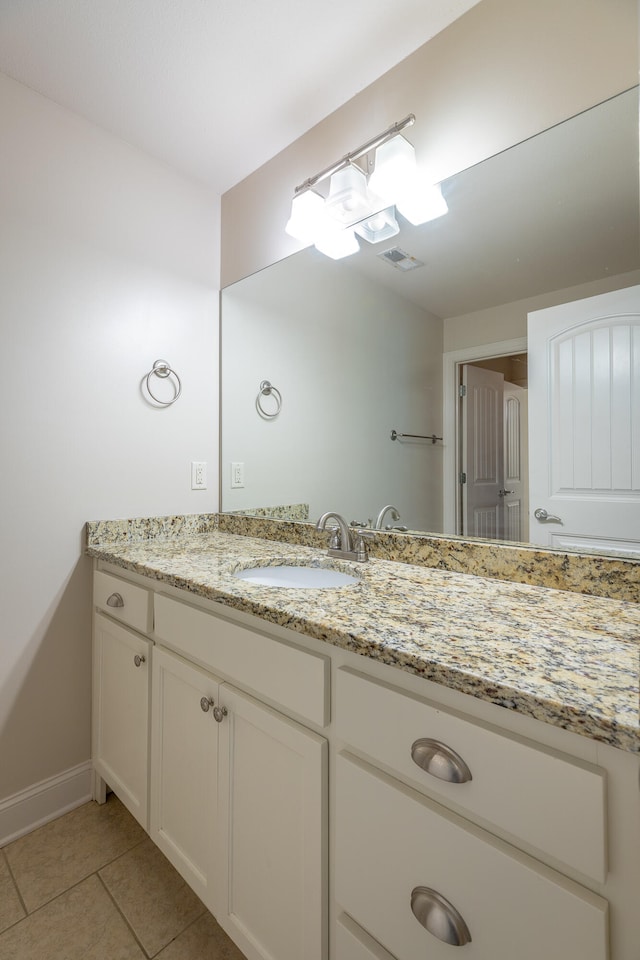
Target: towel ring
x,y
268,390
162,369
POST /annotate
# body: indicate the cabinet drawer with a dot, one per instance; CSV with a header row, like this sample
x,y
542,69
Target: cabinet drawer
x,y
123,600
546,800
294,679
393,845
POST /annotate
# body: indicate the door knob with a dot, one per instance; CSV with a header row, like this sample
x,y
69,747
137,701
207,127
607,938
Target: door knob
x,y
504,493
541,514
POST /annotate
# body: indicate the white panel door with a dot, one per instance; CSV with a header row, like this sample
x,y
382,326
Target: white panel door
x,y
584,423
121,713
516,480
184,767
273,832
482,452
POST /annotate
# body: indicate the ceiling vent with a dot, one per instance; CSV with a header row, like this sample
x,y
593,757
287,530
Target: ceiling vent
x,y
400,260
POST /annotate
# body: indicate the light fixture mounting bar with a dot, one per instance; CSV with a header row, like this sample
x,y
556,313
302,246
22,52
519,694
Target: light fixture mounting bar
x,y
348,158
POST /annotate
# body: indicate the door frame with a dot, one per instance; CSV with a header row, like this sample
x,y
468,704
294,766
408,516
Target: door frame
x,y
451,360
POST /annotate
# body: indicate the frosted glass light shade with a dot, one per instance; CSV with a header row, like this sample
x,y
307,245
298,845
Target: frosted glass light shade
x,y
421,203
308,215
379,227
337,243
395,166
348,199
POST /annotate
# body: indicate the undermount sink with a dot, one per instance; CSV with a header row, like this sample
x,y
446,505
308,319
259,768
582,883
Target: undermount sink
x,y
296,577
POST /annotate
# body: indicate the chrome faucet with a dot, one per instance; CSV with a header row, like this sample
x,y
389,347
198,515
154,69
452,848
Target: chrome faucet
x,y
380,518
349,544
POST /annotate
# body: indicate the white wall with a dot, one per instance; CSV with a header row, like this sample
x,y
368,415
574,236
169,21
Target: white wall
x,y
108,261
352,361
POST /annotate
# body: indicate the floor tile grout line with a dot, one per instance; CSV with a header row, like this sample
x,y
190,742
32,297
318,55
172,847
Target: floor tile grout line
x,y
123,917
71,885
48,903
15,884
188,927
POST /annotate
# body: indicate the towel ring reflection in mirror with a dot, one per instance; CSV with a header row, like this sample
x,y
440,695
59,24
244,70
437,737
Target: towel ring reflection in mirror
x,y
268,390
162,369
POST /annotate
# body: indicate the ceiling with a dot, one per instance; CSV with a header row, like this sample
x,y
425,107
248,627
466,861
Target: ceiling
x,y
213,88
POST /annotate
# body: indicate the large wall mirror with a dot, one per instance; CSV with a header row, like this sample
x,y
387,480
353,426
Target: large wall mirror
x,y
383,342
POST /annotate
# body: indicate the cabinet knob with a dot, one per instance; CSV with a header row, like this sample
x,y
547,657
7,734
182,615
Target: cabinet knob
x,y
139,659
115,600
219,713
439,917
205,703
440,761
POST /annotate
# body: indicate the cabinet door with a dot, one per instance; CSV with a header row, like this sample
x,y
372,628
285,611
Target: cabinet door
x,y
273,832
184,757
121,713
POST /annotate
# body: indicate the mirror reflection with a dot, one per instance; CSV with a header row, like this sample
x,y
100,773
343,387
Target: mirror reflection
x,y
388,341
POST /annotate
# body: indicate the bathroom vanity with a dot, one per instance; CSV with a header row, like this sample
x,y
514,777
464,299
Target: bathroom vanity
x,y
389,769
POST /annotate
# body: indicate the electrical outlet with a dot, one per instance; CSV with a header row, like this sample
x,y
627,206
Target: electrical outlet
x,y
198,475
237,474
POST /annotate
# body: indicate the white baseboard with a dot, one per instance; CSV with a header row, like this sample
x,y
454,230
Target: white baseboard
x,y
44,801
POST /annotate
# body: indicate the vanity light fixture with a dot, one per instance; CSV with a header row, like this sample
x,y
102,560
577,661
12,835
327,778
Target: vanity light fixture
x,y
379,227
362,204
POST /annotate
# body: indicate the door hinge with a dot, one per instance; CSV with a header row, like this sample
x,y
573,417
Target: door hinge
x,y
463,478
462,390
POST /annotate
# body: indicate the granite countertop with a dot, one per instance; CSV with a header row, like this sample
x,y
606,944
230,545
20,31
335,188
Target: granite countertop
x,y
564,658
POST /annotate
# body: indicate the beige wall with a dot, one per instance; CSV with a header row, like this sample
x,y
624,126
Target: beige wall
x,y
509,320
503,72
107,262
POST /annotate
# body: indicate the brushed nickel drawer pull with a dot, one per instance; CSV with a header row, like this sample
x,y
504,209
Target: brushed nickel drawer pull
x,y
115,600
219,713
139,659
205,703
440,761
439,917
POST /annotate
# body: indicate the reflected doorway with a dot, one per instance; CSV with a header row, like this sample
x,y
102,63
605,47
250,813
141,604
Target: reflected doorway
x,y
492,448
451,426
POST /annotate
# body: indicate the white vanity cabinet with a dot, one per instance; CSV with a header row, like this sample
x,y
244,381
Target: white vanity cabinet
x,y
326,806
121,693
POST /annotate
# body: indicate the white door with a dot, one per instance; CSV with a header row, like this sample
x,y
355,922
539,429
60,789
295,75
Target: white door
x,y
516,480
482,452
121,713
184,770
584,423
273,832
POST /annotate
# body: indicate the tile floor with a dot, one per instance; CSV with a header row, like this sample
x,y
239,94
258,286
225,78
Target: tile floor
x,y
92,886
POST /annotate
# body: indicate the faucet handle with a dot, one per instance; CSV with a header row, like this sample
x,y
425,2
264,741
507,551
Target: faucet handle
x,y
362,536
335,539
